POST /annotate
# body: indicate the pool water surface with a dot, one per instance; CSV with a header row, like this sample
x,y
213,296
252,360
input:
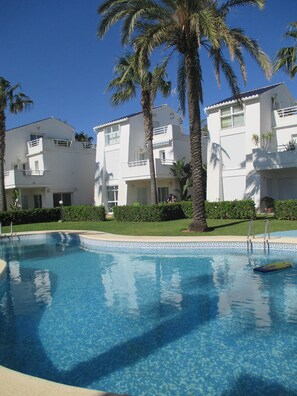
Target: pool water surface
x,y
145,324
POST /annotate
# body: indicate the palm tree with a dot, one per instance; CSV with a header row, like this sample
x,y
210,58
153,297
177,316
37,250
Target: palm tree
x,y
83,137
187,27
15,102
130,75
286,57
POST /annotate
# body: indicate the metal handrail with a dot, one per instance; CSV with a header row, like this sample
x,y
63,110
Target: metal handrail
x,y
251,228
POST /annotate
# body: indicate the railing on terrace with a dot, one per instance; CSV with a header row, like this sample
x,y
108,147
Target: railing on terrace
x,y
137,163
62,142
88,145
28,172
167,162
287,111
34,143
160,130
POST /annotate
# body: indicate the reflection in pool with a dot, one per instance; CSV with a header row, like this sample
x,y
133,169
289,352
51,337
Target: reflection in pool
x,y
147,324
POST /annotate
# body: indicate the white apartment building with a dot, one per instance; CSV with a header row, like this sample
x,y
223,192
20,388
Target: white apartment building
x,y
45,165
251,150
122,168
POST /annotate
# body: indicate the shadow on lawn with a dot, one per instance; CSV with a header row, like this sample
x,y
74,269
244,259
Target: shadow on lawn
x,y
213,228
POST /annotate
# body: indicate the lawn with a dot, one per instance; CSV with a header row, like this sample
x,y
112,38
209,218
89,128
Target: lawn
x,y
166,228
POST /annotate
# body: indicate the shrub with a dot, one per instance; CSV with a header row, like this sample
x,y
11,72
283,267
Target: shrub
x,y
30,216
83,213
285,210
241,209
148,213
244,209
187,209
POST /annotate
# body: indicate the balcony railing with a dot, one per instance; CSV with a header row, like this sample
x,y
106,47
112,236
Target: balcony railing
x,y
62,142
160,130
137,163
287,111
34,143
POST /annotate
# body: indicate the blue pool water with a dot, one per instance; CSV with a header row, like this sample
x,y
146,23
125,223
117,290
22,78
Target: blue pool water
x,y
144,324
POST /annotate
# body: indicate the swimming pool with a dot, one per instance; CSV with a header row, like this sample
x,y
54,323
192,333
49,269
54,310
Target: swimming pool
x,y
143,324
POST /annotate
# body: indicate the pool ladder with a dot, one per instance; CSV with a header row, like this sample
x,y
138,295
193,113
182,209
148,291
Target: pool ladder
x,y
251,235
11,235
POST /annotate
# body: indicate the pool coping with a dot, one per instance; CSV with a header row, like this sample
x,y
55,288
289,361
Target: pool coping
x,y
17,383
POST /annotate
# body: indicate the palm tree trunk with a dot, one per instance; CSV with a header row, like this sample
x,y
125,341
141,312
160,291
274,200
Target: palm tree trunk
x,y
3,206
193,91
148,129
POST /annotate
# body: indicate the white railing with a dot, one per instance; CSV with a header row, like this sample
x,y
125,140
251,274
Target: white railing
x,y
288,111
137,163
167,162
88,145
62,142
160,130
34,143
33,172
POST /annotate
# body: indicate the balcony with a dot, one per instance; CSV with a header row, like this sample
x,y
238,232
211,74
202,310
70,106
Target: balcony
x,y
27,178
282,159
139,170
286,116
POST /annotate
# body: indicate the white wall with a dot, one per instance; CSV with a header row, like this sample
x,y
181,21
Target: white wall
x,y
68,169
112,161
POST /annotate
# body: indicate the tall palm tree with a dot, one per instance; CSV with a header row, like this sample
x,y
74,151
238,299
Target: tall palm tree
x,y
286,57
15,102
132,74
187,27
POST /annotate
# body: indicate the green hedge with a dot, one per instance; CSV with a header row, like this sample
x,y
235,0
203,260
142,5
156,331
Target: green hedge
x,y
244,209
241,209
30,216
83,213
148,213
285,210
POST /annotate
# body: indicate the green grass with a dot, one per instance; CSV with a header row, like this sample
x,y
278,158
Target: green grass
x,y
166,228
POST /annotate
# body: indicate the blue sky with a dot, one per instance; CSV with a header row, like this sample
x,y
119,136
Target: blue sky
x,y
51,48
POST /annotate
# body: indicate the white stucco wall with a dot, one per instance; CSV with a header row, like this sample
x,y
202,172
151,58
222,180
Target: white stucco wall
x,y
62,169
230,170
112,162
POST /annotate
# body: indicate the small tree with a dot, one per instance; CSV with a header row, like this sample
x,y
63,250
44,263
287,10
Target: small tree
x,y
183,172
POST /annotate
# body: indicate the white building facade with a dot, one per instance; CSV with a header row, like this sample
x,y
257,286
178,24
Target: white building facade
x,y
122,168
45,165
251,148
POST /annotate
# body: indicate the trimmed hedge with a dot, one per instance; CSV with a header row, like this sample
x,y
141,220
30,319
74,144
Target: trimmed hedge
x,y
69,213
148,213
285,210
244,209
83,213
241,209
30,216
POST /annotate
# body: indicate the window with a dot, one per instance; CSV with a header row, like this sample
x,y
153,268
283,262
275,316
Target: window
x,y
37,201
232,116
35,136
162,155
112,197
163,193
142,196
112,135
24,200
65,197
